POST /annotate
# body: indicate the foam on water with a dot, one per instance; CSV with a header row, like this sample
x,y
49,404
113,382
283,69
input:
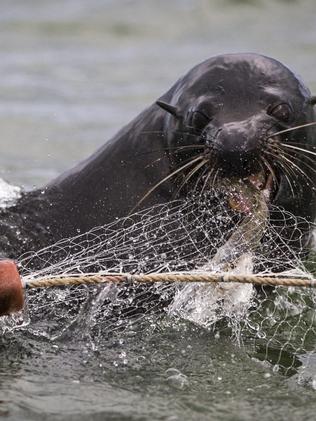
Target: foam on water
x,y
8,193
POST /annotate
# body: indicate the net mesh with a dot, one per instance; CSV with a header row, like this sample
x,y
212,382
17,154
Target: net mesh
x,y
198,233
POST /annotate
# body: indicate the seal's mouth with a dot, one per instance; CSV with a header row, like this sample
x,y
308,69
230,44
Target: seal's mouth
x,y
264,183
243,194
254,168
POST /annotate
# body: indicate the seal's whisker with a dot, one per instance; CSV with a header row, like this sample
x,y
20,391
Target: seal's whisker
x,y
292,129
163,133
289,183
190,175
206,181
277,154
299,160
288,173
162,157
291,163
300,144
285,160
303,153
285,167
188,164
298,149
200,177
176,149
214,178
154,162
297,167
180,148
270,169
306,157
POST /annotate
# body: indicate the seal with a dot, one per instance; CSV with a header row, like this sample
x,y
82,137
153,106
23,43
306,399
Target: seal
x,y
235,115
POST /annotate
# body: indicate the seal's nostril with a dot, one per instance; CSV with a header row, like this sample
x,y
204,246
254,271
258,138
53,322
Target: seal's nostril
x,y
239,137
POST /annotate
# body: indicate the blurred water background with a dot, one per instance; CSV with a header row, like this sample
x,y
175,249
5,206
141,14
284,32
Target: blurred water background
x,y
72,72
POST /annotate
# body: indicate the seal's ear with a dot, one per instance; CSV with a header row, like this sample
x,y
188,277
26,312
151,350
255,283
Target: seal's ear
x,y
171,109
313,100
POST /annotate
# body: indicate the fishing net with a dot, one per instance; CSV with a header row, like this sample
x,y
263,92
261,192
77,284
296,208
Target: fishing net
x,y
200,233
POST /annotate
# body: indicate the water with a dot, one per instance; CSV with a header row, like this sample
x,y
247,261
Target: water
x,y
72,72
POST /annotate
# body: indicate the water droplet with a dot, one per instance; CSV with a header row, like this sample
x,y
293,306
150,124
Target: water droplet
x,y
177,379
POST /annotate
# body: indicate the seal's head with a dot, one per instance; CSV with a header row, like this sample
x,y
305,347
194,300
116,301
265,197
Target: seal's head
x,y
241,115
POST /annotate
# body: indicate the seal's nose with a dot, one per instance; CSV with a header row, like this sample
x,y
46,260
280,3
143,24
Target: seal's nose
x,y
237,137
237,147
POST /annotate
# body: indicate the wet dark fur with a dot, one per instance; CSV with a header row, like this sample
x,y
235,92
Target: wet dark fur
x,y
224,110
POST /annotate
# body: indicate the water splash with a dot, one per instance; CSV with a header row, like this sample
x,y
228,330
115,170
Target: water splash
x,y
8,193
205,305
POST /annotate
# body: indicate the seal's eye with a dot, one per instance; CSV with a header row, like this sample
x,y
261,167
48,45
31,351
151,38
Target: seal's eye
x,y
198,119
281,112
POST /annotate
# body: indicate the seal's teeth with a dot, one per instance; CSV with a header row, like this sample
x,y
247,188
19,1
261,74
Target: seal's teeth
x,y
258,181
268,188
